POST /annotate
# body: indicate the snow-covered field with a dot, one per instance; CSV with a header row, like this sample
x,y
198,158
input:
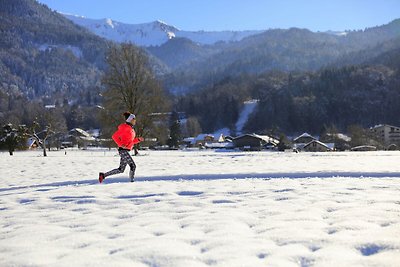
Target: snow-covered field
x,y
201,208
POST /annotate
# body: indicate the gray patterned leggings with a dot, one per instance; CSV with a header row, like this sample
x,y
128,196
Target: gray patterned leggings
x,y
126,159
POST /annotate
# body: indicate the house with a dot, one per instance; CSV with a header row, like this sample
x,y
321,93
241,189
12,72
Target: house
x,y
221,142
228,138
254,142
32,143
300,141
387,134
94,132
80,137
317,146
221,138
189,141
198,141
340,140
304,139
219,145
202,139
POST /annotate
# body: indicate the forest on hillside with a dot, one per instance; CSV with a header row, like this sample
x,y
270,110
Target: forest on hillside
x,y
297,102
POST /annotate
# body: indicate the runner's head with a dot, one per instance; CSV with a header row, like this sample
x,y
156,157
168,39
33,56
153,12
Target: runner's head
x,y
129,117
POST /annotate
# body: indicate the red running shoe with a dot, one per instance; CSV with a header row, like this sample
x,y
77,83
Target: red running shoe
x,y
101,177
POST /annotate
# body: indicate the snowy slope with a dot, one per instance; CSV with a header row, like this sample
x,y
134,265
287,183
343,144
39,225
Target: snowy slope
x,y
248,108
145,34
246,111
154,33
337,33
201,208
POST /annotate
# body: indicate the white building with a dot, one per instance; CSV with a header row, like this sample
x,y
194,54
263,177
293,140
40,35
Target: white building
x,y
387,133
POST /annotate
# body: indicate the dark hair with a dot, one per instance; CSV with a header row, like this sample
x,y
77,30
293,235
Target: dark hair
x,y
126,114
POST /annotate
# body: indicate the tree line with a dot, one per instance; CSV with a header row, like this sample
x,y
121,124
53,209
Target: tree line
x,y
293,102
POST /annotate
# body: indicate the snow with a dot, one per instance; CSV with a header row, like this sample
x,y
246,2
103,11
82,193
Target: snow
x,y
109,22
145,34
337,33
248,108
154,33
201,208
76,51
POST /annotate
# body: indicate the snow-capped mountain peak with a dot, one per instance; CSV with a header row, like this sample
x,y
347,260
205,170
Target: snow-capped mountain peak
x,y
164,26
110,23
154,33
145,34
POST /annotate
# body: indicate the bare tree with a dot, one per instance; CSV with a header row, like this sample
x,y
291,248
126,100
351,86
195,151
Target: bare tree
x,y
48,124
41,137
130,86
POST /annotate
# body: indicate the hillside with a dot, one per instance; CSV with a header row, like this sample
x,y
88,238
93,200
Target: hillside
x,y
177,52
297,102
284,50
43,54
50,68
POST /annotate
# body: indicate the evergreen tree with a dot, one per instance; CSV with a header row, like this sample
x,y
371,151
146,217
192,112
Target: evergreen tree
x,y
174,131
12,137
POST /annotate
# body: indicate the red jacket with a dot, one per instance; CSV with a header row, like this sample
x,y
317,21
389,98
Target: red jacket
x,y
125,136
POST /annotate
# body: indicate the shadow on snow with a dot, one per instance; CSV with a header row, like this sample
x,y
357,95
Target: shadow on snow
x,y
193,177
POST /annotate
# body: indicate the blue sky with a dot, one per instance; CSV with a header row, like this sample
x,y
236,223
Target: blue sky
x,y
216,15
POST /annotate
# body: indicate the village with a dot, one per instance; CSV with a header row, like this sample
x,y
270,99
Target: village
x,y
380,137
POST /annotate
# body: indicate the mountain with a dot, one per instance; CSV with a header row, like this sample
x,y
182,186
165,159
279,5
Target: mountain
x,y
293,103
305,81
273,49
154,33
145,34
177,52
370,55
285,50
43,54
194,59
389,58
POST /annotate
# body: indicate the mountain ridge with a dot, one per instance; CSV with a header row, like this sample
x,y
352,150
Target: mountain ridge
x,y
287,50
153,33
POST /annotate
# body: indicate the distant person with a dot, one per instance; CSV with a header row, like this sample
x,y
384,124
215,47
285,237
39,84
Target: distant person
x,y
125,137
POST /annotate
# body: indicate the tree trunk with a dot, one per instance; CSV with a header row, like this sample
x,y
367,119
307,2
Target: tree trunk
x,y
44,147
44,151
